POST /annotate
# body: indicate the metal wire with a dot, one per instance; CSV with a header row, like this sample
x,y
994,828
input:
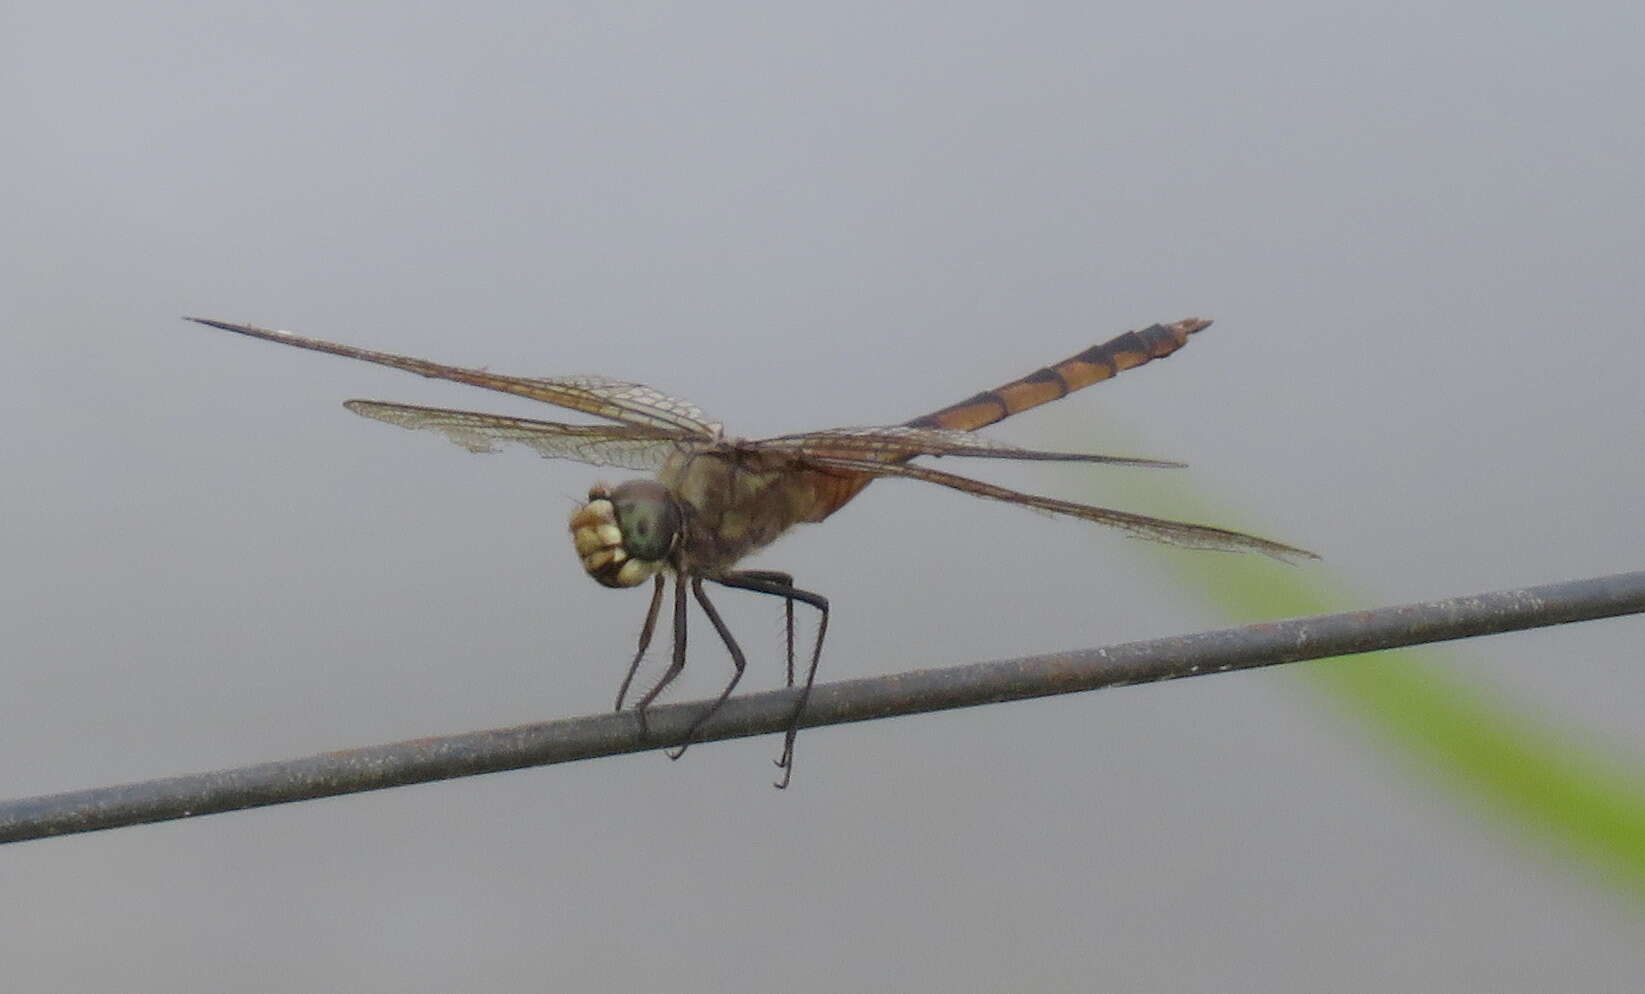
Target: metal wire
x,y
423,760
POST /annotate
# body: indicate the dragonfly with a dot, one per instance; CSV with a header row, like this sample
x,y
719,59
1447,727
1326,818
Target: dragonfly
x,y
714,499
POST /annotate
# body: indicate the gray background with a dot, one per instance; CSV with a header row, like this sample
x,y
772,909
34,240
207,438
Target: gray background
x,y
1418,225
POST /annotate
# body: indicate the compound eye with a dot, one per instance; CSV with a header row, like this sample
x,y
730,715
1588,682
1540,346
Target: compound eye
x,y
650,522
624,536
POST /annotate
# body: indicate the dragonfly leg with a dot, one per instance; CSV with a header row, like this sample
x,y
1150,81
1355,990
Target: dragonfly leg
x,y
646,632
762,582
738,662
678,662
786,580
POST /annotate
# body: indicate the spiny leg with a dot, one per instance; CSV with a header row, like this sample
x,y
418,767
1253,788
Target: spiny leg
x,y
759,583
738,662
787,580
645,638
678,663
786,762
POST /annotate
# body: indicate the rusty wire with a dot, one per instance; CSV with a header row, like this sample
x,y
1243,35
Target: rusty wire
x,y
422,760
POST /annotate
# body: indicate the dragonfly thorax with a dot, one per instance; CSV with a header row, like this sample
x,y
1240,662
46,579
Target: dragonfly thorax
x,y
625,534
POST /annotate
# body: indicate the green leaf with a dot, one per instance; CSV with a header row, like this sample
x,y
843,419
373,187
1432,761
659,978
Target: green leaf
x,y
1578,802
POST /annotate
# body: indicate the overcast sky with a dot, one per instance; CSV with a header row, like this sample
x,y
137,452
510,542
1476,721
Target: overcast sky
x,y
1419,227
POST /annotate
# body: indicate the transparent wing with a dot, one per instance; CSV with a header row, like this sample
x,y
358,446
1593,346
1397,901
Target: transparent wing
x,y
626,446
630,403
895,443
638,403
1139,525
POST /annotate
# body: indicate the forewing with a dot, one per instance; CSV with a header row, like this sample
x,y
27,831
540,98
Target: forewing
x,y
626,446
630,403
1139,525
620,400
896,443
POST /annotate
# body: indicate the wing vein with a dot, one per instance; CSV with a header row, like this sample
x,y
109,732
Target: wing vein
x,y
1139,525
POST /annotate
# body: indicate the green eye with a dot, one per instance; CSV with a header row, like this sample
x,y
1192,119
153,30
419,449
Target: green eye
x,y
649,524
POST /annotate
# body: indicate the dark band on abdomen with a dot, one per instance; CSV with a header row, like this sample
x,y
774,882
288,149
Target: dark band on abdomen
x,y
1095,364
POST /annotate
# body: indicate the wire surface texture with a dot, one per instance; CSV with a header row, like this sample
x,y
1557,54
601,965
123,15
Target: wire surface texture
x,y
440,758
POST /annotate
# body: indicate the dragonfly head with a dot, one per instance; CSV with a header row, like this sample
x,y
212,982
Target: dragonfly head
x,y
625,534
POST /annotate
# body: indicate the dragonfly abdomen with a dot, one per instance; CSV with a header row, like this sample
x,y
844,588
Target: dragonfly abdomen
x,y
1053,382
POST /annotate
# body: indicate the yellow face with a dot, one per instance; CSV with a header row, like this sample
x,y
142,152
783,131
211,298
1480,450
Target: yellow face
x,y
625,535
